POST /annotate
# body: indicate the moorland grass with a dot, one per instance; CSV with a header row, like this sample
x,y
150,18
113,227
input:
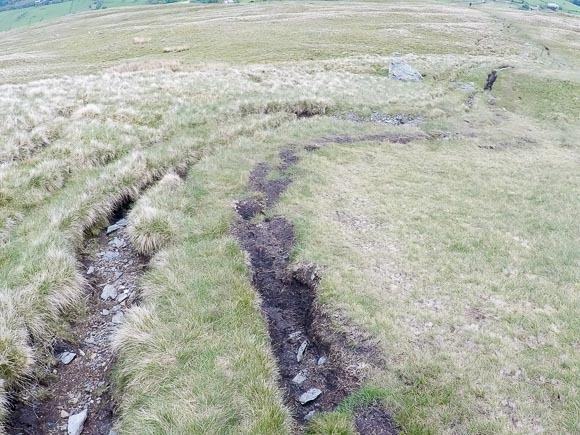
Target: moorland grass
x,y
458,251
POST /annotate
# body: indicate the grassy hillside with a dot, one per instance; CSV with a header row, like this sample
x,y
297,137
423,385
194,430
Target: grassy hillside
x,y
25,17
447,247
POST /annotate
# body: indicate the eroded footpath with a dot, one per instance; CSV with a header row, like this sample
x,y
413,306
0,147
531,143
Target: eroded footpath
x,y
318,368
77,391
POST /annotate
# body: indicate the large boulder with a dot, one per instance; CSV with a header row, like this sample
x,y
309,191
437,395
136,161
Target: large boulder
x,y
400,70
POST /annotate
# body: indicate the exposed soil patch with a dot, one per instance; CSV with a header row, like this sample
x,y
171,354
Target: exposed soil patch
x,y
375,420
80,378
318,368
268,189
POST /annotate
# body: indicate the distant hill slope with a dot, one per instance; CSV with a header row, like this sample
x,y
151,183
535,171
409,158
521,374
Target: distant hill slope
x,y
20,13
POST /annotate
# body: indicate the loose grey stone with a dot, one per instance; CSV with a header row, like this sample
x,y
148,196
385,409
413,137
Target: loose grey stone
x,y
122,297
118,318
400,70
111,255
105,312
467,87
113,228
295,335
91,270
109,292
117,276
309,416
321,360
76,423
299,378
117,243
90,340
67,357
122,222
301,351
309,396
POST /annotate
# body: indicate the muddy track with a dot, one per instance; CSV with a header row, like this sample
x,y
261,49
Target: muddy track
x,y
112,269
318,368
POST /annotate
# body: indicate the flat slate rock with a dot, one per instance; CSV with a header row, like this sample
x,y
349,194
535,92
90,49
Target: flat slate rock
x,y
111,255
299,378
400,70
109,292
76,423
301,351
67,357
118,318
309,396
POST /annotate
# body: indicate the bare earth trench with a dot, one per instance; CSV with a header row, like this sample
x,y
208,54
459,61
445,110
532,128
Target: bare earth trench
x,y
318,369
80,380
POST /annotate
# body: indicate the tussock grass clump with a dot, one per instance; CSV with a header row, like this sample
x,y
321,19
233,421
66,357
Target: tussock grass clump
x,y
301,108
88,111
152,225
140,40
16,355
176,49
334,423
151,229
148,65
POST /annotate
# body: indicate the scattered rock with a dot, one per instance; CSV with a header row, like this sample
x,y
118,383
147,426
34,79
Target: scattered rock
x,y
109,292
299,378
310,415
67,357
91,270
105,312
400,70
309,396
118,318
111,255
321,360
117,243
64,414
90,340
113,228
467,87
122,222
380,118
76,423
295,335
122,297
117,276
301,351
